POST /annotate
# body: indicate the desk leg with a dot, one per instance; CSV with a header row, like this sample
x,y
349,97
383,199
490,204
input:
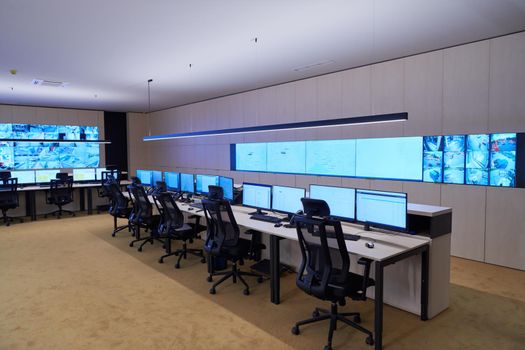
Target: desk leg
x,y
378,303
82,199
424,283
32,204
275,261
89,201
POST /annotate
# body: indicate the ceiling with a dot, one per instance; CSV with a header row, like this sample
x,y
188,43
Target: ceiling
x,y
107,50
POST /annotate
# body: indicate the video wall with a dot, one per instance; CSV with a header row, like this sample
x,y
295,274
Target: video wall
x,y
43,154
483,159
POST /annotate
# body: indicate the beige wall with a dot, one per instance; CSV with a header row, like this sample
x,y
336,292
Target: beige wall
x,y
474,88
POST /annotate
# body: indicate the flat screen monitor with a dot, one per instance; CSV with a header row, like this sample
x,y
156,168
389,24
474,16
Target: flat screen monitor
x,y
382,209
227,186
45,176
156,175
286,157
172,180
250,156
257,196
340,200
24,176
98,173
287,199
87,174
144,177
187,183
503,160
203,181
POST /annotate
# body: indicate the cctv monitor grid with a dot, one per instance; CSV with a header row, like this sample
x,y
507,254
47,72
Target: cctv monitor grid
x,y
44,176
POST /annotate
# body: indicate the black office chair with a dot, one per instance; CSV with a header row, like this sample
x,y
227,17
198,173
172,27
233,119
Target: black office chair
x,y
223,241
173,227
62,176
324,272
142,217
8,196
120,206
103,191
60,194
215,193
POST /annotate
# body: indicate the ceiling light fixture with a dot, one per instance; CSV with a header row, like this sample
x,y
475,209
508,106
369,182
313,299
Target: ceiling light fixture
x,y
371,119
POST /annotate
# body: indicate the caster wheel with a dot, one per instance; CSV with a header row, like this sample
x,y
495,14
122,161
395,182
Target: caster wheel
x,y
140,249
112,235
246,292
212,291
209,279
370,340
295,330
177,266
327,347
161,261
315,314
131,244
260,279
203,260
357,319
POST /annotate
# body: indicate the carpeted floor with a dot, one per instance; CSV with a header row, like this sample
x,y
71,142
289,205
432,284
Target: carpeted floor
x,y
69,285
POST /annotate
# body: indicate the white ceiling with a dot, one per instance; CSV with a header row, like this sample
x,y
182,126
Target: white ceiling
x,y
107,50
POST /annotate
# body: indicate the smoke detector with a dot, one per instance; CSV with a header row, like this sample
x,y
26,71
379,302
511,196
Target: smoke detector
x,y
43,82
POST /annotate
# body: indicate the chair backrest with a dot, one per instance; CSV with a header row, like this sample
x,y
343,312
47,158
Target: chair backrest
x,y
8,193
223,230
62,176
135,180
320,264
61,191
215,192
119,202
172,217
4,175
142,206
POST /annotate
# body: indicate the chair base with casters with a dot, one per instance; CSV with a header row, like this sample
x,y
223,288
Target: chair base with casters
x,y
117,228
150,239
58,213
333,316
8,219
182,253
235,274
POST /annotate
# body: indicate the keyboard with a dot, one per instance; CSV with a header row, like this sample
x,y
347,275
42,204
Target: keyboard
x,y
265,218
196,205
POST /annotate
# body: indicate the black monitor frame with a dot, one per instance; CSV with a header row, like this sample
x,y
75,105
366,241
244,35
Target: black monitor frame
x,y
332,216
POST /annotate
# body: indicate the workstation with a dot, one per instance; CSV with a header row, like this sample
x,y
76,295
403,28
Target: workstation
x,y
239,188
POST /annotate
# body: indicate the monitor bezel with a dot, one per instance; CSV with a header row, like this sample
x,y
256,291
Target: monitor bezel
x,y
381,225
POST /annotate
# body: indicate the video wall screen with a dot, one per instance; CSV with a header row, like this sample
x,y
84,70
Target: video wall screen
x,y
48,155
479,159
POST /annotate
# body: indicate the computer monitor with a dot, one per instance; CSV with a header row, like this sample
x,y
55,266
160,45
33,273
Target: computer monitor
x,y
45,176
227,186
203,181
287,199
86,174
382,209
172,180
156,175
24,176
340,200
144,177
257,196
187,183
98,173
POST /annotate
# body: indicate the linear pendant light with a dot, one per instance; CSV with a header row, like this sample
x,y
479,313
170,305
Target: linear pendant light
x,y
380,118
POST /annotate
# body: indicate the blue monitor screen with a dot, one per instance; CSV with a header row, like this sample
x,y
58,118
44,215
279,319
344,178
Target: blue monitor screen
x,y
187,183
227,186
454,159
503,160
98,173
477,161
84,174
286,157
45,176
256,195
172,180
250,156
24,176
203,181
382,208
144,177
155,176
331,157
287,199
340,200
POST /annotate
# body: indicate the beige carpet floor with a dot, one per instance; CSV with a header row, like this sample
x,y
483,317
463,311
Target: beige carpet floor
x,y
69,285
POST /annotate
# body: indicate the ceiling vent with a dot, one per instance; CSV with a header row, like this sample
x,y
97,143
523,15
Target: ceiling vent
x,y
50,83
312,66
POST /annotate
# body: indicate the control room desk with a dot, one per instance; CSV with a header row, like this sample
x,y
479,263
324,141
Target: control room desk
x,y
389,249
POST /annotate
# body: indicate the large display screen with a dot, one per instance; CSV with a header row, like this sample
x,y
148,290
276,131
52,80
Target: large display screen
x,y
332,157
503,160
286,157
250,156
52,154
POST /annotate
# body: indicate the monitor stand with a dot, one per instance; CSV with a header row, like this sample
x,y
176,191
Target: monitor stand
x,y
258,212
366,227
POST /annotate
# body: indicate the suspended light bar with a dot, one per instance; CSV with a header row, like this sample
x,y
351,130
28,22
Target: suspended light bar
x,y
55,141
371,119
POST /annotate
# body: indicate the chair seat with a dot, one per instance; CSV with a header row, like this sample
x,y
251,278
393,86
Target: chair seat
x,y
240,250
352,287
183,232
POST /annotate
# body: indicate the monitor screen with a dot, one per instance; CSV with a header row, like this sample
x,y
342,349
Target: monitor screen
x,y
45,176
98,173
87,174
340,200
454,159
503,160
144,177
172,180
227,186
250,156
24,177
156,175
203,181
287,199
187,183
256,195
382,208
286,157
330,157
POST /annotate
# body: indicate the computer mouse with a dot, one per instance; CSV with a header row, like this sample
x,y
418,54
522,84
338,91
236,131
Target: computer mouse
x,y
369,245
277,224
190,208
